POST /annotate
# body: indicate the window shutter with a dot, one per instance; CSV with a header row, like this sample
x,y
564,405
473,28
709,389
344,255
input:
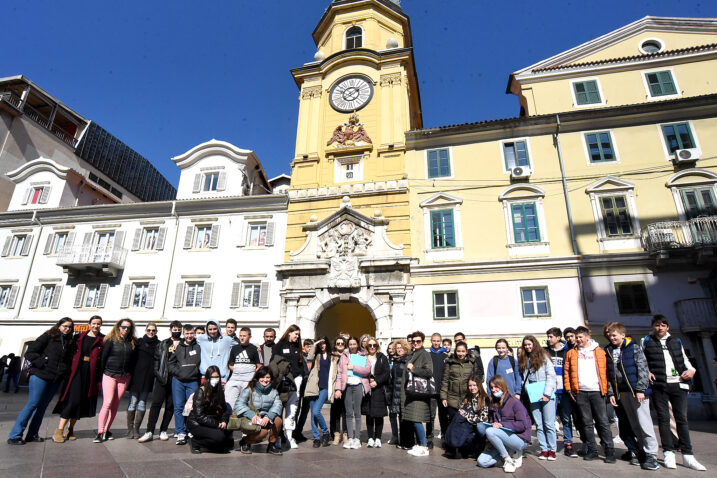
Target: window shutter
x,y
137,238
126,296
197,183
222,181
151,294
45,194
6,246
214,240
432,164
161,238
56,297
269,233
87,239
12,298
26,246
26,198
178,293
188,237
104,288
593,95
264,295
48,244
668,85
35,297
119,239
70,239
79,294
236,290
207,296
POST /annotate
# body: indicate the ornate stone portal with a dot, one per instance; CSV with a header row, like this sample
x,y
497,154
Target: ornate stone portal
x,y
348,257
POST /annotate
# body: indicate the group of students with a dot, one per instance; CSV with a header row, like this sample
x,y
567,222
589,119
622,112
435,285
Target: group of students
x,y
215,384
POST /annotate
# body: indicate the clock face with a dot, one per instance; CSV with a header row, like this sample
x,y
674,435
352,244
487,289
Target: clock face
x,y
351,93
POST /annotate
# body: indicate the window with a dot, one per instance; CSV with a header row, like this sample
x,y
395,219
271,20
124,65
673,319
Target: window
x,y
139,295
149,238
525,222
660,83
632,298
8,296
46,293
515,153
535,301
600,148
257,235
91,295
354,37
194,295
616,215
36,195
442,230
678,136
698,202
18,244
651,45
211,181
439,164
445,305
586,92
140,292
250,294
58,242
204,237
348,169
46,296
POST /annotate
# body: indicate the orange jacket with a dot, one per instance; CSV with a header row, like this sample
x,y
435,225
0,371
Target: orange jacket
x,y
570,370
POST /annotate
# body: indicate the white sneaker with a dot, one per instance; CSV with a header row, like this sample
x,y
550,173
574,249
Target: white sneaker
x,y
509,465
557,426
419,451
669,460
145,438
377,443
163,436
517,458
370,443
292,443
412,450
348,444
356,444
691,462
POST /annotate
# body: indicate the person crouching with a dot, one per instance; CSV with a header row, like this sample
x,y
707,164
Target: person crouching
x,y
210,414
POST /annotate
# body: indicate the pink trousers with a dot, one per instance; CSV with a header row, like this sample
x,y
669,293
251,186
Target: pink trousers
x,y
112,390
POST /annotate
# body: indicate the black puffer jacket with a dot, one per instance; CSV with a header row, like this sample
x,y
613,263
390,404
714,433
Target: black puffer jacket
x,y
203,415
399,365
118,358
143,372
50,357
291,351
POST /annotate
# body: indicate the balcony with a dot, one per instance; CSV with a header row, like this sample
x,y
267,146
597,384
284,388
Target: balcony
x,y
13,104
105,261
698,234
10,102
696,315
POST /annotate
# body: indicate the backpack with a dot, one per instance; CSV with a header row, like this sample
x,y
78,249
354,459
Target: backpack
x,y
495,363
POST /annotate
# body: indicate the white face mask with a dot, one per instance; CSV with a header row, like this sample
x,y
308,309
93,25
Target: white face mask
x,y
214,382
497,394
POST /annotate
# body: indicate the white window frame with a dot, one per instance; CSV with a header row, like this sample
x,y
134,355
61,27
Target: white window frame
x,y
8,296
436,202
645,40
450,163
670,156
17,245
47,293
251,226
690,179
147,232
92,295
547,301
446,304
587,149
363,36
648,93
56,245
256,289
207,179
143,287
612,186
196,304
525,193
596,79
340,169
207,236
513,140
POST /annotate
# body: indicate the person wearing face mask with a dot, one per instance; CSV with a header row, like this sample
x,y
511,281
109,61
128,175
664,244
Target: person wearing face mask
x,y
210,415
162,392
79,396
506,366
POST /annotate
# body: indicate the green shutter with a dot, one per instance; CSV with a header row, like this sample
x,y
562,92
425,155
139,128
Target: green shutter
x,y
600,147
586,92
661,83
442,229
433,164
439,164
525,222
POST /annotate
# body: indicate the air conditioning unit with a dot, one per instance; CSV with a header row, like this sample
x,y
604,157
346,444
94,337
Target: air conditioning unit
x,y
520,172
349,174
687,155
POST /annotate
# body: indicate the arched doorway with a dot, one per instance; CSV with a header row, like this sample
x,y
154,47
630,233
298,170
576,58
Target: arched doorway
x,y
349,317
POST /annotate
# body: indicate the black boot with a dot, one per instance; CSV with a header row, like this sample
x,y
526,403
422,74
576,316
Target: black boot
x,y
138,423
610,455
325,440
130,424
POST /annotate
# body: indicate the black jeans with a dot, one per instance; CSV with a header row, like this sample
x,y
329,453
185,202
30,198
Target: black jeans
x,y
162,394
212,439
629,424
406,435
374,427
304,409
337,416
592,407
443,421
662,396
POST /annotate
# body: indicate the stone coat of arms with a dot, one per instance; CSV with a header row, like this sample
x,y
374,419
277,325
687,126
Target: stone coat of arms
x,y
343,245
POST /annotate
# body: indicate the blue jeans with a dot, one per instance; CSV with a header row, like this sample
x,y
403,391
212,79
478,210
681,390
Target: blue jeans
x,y
420,433
40,395
564,407
317,420
14,378
502,441
137,401
180,394
544,416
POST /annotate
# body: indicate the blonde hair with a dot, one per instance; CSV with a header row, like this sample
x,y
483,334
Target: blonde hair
x,y
378,345
115,336
404,345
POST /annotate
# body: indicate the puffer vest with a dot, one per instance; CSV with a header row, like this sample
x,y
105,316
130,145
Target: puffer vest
x,y
656,359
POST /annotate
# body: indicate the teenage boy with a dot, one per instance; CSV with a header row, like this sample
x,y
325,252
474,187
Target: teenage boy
x,y
474,351
184,368
563,404
243,362
215,349
447,344
569,335
585,379
628,388
670,373
438,357
230,328
265,349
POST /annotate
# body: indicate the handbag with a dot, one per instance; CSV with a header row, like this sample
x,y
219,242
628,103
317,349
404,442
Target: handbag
x,y
244,424
418,387
535,391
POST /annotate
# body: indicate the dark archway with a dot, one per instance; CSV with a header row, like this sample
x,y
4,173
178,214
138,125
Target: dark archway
x,y
350,317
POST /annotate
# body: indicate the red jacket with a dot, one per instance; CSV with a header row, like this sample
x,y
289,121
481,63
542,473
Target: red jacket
x,y
95,358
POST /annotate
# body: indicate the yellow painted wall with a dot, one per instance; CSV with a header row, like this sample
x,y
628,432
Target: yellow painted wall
x,y
377,28
630,46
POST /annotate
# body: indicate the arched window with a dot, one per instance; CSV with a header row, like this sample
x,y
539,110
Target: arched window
x,y
354,38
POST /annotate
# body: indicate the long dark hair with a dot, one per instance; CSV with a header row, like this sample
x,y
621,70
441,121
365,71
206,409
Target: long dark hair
x,y
537,356
482,396
328,346
262,372
285,338
213,396
54,331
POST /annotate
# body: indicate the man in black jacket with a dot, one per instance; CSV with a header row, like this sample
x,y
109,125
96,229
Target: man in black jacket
x,y
162,392
13,373
184,370
438,357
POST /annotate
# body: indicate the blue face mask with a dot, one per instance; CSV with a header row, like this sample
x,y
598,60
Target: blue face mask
x,y
498,394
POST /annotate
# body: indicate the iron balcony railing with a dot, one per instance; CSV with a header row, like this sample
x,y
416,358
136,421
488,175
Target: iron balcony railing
x,y
89,256
11,98
696,314
666,235
14,100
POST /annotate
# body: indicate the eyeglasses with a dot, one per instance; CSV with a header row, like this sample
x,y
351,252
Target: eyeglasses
x,y
416,341
124,327
339,343
151,331
372,346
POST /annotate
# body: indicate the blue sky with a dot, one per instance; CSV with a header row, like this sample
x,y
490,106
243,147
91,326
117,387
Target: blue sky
x,y
165,76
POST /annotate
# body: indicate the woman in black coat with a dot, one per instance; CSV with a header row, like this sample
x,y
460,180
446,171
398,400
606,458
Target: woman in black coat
x,y
375,404
210,415
142,380
50,356
404,440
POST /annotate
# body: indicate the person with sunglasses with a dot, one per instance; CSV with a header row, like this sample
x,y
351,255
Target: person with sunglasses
x,y
379,380
118,358
337,415
142,380
352,384
417,409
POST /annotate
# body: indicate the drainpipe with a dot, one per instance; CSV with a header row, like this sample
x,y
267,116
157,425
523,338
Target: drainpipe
x,y
34,220
573,238
171,262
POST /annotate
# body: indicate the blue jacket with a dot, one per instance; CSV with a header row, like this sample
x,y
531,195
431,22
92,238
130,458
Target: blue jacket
x,y
266,403
215,351
630,372
512,378
546,373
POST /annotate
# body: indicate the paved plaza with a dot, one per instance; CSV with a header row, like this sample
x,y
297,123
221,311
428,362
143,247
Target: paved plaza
x,y
127,458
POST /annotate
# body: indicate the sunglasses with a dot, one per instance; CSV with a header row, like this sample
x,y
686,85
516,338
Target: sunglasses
x,y
416,341
339,343
372,346
151,331
124,327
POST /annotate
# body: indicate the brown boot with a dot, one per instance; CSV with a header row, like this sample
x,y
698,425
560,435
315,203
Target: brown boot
x,y
346,437
70,433
57,436
337,438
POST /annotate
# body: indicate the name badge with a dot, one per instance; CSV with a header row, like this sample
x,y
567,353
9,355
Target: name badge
x,y
509,370
286,351
192,352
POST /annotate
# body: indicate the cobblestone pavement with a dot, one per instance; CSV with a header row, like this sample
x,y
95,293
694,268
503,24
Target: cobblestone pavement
x,y
127,458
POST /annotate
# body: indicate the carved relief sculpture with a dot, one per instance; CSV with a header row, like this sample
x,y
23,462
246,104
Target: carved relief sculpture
x,y
344,244
351,133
